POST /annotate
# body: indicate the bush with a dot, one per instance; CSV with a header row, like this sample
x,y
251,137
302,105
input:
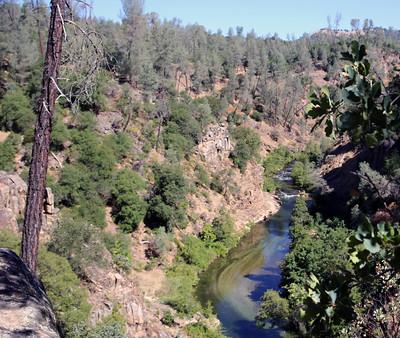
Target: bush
x,y
112,326
129,207
223,227
63,288
202,176
119,245
246,148
16,112
167,206
120,144
59,133
257,116
77,241
168,319
8,150
302,174
194,251
274,309
180,295
276,161
199,330
161,243
216,184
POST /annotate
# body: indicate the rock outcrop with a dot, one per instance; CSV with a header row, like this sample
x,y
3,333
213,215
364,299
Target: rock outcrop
x,y
215,145
25,310
12,199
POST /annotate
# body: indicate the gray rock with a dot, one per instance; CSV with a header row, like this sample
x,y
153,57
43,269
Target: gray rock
x,y
25,310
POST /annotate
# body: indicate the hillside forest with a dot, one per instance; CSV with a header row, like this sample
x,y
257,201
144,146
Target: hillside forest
x,y
164,142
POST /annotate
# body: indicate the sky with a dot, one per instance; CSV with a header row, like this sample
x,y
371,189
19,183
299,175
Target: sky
x,y
285,17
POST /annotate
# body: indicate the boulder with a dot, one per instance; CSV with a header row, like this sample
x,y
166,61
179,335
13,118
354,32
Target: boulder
x,y
25,310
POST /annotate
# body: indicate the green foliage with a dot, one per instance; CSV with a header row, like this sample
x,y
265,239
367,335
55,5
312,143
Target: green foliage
x,y
217,105
199,330
59,133
168,319
257,116
119,245
8,150
302,175
77,241
276,161
112,326
182,278
367,114
317,247
224,227
161,244
202,176
63,288
98,158
167,205
16,111
120,144
9,240
76,189
274,309
246,148
194,251
129,208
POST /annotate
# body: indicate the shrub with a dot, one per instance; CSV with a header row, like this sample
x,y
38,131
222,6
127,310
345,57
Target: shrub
x,y
276,161
120,144
96,156
119,245
302,174
168,319
177,143
216,184
194,251
274,309
180,295
224,227
257,116
161,243
246,148
16,112
59,133
129,207
112,326
8,150
202,176
63,288
167,206
199,330
77,241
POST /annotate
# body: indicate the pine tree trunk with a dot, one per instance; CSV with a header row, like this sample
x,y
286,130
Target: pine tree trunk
x,y
41,145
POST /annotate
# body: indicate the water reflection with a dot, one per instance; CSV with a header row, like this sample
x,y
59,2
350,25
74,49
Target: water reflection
x,y
236,283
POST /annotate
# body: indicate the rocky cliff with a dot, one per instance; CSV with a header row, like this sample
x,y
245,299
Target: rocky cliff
x,y
25,310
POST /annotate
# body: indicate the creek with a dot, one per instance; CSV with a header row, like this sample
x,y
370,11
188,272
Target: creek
x,y
235,284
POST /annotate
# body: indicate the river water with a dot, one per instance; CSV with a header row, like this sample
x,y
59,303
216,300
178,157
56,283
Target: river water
x,y
235,284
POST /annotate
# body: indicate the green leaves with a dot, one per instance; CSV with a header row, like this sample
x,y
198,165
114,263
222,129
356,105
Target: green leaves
x,y
362,111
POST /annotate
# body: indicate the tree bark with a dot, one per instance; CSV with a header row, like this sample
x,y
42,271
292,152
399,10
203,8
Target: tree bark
x,y
41,145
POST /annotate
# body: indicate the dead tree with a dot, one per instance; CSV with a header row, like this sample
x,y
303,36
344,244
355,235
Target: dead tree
x,y
41,145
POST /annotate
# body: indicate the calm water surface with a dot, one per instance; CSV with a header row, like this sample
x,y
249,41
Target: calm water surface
x,y
236,283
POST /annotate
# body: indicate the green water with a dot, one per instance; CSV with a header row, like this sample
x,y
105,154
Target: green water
x,y
236,283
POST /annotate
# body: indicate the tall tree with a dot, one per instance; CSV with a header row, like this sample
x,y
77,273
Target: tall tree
x,y
41,145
